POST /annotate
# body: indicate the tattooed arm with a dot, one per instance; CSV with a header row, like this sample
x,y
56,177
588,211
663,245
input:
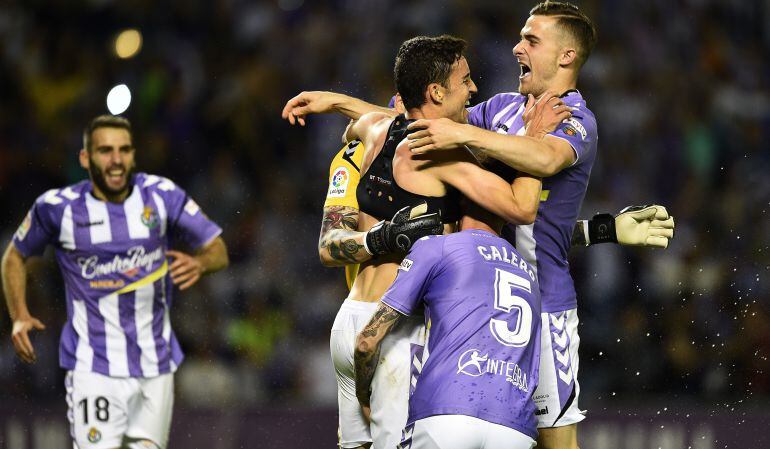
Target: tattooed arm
x,y
340,243
367,351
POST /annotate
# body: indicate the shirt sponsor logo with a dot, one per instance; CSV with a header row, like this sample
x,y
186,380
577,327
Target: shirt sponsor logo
x,y
136,257
406,264
149,217
338,186
380,180
472,363
574,128
88,224
541,411
107,284
23,229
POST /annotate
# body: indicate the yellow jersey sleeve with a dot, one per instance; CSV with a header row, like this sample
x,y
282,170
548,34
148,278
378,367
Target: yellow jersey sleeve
x,y
344,175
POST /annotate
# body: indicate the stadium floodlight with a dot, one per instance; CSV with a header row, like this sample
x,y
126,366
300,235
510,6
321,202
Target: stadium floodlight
x,y
128,43
118,99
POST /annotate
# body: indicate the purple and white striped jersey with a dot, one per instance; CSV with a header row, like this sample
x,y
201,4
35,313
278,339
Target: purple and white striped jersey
x,y
113,260
483,351
545,243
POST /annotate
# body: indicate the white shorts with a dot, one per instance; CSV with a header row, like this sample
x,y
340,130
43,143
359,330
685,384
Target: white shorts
x,y
462,432
391,382
558,390
103,410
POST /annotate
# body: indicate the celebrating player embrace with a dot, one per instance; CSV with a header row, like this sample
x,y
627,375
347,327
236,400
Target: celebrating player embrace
x,y
556,41
112,236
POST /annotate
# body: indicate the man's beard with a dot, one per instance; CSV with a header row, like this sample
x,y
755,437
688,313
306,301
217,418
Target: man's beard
x,y
99,178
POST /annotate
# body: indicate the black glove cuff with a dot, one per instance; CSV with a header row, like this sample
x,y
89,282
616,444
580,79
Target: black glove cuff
x,y
601,229
375,240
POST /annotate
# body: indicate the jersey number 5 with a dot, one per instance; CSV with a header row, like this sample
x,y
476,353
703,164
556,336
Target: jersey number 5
x,y
506,284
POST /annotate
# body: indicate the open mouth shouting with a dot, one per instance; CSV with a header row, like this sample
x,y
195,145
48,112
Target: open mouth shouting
x,y
115,177
526,71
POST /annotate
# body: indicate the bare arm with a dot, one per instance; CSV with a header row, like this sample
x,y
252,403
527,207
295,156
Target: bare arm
x,y
186,270
367,351
540,157
14,275
213,257
340,243
366,128
536,152
517,202
320,102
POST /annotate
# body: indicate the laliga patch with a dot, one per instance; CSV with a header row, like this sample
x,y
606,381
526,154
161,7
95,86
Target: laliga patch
x,y
338,185
574,128
191,207
406,264
23,229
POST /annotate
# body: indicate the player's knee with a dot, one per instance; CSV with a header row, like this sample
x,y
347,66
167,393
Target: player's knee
x,y
140,444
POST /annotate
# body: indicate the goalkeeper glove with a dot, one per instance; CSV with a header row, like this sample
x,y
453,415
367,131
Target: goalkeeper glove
x,y
633,226
408,225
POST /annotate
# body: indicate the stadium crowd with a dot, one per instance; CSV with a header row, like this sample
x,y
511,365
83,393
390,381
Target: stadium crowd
x,y
681,92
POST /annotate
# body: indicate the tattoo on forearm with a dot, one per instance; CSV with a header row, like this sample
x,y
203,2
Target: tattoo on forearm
x,y
343,250
339,222
340,217
368,347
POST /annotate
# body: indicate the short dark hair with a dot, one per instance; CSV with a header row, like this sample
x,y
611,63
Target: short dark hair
x,y
573,21
104,121
423,60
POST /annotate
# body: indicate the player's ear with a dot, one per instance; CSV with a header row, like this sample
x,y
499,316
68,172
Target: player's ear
x,y
567,57
83,158
435,93
400,108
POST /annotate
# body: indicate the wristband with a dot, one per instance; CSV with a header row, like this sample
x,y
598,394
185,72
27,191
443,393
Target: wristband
x,y
601,229
366,246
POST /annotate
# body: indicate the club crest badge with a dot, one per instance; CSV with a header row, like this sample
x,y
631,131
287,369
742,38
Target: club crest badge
x,y
94,436
149,217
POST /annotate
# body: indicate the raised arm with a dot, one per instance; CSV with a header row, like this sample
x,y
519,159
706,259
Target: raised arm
x,y
319,102
367,351
14,275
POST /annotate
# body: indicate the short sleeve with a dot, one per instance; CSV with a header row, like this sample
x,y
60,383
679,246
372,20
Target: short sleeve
x,y
186,219
580,132
414,275
36,231
477,115
344,175
484,114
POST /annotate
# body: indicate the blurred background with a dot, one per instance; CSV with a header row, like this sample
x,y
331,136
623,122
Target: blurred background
x,y
674,343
